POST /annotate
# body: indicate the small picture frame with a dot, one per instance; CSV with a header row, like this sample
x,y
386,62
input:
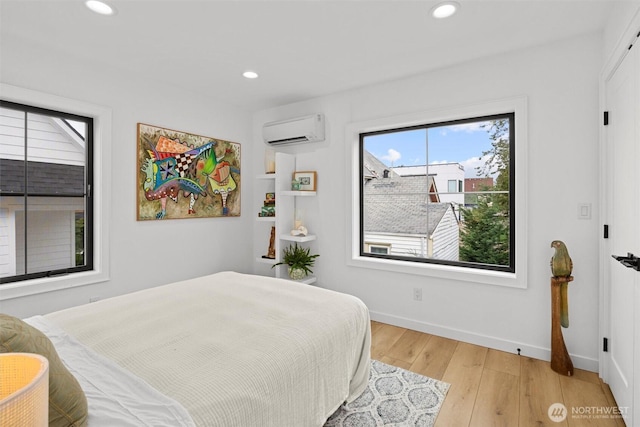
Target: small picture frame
x,y
307,180
270,197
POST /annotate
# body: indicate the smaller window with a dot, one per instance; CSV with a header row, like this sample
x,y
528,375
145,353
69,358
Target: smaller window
x,y
46,173
379,249
451,186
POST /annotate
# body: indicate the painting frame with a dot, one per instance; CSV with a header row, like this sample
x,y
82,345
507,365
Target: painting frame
x,y
182,175
307,179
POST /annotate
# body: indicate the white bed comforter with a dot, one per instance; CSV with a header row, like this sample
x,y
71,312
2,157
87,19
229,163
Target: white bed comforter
x,y
116,398
235,349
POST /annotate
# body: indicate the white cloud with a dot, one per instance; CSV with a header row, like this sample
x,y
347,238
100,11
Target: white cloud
x,y
471,164
391,156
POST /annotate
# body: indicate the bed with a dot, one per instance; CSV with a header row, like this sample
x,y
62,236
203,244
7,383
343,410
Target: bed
x,y
227,349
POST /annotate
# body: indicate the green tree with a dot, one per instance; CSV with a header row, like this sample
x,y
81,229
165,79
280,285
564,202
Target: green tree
x,y
484,236
498,161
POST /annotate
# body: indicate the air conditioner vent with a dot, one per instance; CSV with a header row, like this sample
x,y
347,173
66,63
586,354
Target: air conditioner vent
x,y
294,131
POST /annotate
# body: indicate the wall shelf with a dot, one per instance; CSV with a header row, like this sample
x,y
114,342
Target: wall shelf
x,y
298,193
266,218
266,184
269,261
286,202
290,238
266,176
307,280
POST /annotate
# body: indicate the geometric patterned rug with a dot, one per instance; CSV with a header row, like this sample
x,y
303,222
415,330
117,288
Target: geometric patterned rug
x,y
394,397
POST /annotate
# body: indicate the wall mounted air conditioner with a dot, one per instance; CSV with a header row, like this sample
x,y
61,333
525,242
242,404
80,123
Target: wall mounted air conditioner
x,y
294,131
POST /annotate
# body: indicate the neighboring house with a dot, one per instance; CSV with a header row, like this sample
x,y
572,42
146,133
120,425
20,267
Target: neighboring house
x,y
401,219
449,179
472,185
55,183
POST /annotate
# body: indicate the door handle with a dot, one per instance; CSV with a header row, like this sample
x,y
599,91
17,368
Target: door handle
x,y
630,261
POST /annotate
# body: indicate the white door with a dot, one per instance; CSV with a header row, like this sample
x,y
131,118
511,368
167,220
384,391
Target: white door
x,y
622,284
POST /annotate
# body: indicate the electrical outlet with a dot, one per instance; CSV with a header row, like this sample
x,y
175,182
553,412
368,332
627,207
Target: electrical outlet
x,y
417,294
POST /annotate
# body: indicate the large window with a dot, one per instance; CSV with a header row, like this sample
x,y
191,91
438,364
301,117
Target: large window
x,y
440,193
46,178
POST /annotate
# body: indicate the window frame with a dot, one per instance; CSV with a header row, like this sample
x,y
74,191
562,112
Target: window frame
x,y
385,246
101,160
456,184
515,278
87,198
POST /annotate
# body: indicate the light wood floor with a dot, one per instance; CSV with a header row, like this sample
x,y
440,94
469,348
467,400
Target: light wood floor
x,y
491,388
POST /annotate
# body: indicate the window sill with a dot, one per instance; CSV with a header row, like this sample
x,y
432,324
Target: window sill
x,y
487,277
49,284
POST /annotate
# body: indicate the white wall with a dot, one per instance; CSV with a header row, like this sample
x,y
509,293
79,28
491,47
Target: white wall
x,y
561,83
143,254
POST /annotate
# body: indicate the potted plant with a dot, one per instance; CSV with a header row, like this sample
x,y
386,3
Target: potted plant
x,y
299,261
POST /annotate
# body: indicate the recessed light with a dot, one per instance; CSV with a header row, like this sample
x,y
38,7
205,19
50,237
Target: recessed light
x,y
444,10
250,74
100,7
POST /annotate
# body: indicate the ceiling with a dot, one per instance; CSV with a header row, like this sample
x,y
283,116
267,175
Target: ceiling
x,y
301,49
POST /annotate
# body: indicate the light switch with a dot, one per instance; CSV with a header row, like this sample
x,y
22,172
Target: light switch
x,y
584,210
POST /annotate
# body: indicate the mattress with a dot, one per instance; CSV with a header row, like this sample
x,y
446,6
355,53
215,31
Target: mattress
x,y
234,349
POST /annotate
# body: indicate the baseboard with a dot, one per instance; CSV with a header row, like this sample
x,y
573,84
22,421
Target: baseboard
x,y
536,352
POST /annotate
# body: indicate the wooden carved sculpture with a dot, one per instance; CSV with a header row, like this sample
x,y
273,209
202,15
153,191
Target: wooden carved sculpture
x,y
561,268
271,252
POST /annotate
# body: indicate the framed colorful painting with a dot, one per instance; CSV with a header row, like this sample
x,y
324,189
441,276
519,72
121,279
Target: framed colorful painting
x,y
181,175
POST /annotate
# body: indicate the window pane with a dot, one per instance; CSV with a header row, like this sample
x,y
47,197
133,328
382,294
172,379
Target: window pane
x,y
485,235
56,181
79,230
43,177
395,182
12,184
379,250
440,192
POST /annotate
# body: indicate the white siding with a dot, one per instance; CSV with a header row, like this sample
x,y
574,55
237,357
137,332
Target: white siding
x,y
47,141
7,256
49,243
400,245
446,238
51,234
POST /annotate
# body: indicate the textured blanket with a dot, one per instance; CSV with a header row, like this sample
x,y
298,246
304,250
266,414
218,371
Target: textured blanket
x,y
235,349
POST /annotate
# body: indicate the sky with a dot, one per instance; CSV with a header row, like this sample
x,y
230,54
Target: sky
x,y
463,143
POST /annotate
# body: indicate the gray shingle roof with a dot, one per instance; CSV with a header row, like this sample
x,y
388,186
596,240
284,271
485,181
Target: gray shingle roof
x,y
374,168
398,204
402,214
44,179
